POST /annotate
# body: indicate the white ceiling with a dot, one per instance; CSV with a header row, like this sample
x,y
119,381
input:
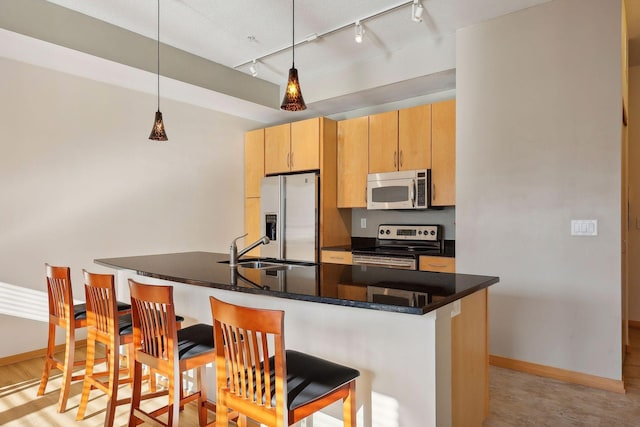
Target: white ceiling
x,y
235,32
398,59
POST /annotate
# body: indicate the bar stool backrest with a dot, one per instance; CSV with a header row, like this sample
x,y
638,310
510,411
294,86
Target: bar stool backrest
x,y
256,383
154,321
60,294
102,311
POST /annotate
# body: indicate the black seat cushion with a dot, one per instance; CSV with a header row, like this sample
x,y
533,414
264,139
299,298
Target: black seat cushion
x,y
310,378
80,310
195,340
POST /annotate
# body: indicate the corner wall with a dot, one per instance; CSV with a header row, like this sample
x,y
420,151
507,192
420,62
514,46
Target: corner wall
x,y
79,180
538,144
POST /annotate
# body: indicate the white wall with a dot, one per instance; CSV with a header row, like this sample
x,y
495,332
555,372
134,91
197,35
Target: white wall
x,y
634,193
538,144
79,180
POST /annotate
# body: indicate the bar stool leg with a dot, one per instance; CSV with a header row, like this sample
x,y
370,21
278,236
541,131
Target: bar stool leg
x,y
114,374
48,361
136,393
349,406
67,370
86,385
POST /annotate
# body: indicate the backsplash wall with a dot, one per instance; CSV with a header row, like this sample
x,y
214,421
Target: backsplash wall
x,y
445,217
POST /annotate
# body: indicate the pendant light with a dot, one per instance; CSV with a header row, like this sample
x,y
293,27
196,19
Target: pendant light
x,y
293,100
157,132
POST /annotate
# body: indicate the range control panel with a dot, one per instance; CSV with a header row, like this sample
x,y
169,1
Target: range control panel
x,y
431,233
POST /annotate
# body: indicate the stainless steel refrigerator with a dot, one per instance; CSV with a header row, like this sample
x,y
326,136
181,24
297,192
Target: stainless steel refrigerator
x,y
289,216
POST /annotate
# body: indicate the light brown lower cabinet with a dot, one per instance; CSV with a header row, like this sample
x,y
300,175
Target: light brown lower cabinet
x,y
437,263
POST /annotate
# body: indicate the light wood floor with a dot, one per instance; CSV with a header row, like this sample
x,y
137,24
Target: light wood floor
x,y
516,399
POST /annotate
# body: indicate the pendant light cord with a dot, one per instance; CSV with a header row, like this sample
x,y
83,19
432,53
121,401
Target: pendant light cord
x,y
293,33
158,55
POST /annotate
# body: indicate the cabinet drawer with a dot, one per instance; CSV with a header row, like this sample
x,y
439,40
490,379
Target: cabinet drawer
x,y
438,263
336,257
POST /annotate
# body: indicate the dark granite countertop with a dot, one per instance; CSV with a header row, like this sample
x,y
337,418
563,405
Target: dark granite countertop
x,y
403,291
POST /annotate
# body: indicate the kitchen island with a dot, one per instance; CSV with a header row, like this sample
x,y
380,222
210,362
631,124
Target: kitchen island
x,y
392,325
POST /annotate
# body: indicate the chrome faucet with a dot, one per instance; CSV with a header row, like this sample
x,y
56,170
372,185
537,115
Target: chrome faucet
x,y
234,255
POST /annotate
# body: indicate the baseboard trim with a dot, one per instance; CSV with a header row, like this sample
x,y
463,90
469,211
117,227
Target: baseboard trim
x,y
34,354
616,386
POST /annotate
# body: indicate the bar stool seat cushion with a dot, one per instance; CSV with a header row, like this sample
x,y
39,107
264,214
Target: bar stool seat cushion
x,y
80,310
195,340
310,378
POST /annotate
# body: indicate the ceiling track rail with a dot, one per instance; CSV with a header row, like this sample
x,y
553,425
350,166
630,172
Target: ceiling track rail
x,y
315,36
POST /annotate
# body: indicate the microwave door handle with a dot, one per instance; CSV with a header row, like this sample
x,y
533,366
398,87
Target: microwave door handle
x,y
412,195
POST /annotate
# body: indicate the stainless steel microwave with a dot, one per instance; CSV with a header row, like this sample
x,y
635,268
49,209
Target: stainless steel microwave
x,y
399,190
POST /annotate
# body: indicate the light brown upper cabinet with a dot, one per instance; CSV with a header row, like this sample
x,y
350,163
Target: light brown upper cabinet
x,y
353,162
305,145
383,142
400,140
414,138
292,147
443,153
253,162
277,149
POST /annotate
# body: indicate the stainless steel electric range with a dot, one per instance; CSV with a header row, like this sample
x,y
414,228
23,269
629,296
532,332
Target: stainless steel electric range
x,y
400,246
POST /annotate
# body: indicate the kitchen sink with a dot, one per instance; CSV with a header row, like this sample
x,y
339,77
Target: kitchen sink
x,y
270,264
264,265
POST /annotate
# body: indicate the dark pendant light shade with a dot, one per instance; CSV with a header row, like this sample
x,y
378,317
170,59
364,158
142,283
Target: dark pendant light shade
x,y
157,132
293,100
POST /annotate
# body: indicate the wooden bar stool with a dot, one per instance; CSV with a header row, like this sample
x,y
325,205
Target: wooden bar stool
x,y
169,351
63,313
276,390
104,326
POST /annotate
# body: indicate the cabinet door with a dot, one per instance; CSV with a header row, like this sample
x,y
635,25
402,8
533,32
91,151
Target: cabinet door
x,y
414,138
253,162
470,362
383,142
252,222
443,153
277,143
305,145
353,160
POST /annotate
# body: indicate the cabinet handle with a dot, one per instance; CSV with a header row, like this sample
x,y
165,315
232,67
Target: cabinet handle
x,y
401,156
288,161
365,195
437,265
433,194
292,160
395,159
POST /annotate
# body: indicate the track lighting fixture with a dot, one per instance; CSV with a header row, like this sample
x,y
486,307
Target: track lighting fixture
x,y
157,131
359,32
416,11
253,69
293,100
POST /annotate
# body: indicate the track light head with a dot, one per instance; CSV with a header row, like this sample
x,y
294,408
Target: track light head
x,y
253,69
416,11
359,35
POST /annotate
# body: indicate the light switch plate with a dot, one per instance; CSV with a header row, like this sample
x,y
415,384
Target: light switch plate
x,y
584,227
363,222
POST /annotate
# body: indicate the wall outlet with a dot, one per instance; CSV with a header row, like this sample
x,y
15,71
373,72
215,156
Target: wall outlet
x,y
363,222
584,227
